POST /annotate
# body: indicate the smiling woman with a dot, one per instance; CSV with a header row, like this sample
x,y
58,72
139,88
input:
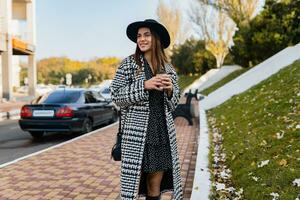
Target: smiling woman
x,y
149,160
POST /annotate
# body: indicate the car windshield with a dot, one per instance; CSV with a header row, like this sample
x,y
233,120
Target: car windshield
x,y
61,97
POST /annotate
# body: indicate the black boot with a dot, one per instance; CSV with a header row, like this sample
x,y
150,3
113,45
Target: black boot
x,y
153,198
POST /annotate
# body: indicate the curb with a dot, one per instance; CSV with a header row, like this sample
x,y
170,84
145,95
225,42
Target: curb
x,y
202,183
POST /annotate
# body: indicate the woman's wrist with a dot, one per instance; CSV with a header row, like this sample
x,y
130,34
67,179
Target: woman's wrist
x,y
145,85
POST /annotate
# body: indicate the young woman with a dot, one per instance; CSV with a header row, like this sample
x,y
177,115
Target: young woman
x,y
146,89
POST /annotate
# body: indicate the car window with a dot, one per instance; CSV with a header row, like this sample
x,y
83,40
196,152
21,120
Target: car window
x,y
61,97
89,98
98,96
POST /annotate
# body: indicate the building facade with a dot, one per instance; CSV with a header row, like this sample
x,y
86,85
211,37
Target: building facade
x,y
17,38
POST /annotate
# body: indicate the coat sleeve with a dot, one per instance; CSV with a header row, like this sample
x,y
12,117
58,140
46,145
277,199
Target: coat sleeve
x,y
125,90
173,100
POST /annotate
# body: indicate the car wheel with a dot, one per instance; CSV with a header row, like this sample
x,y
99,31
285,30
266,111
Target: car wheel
x,y
37,134
87,126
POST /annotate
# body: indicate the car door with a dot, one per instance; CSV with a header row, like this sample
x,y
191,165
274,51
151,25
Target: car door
x,y
93,108
107,106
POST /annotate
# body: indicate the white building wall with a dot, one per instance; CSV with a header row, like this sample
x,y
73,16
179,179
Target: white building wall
x,y
16,59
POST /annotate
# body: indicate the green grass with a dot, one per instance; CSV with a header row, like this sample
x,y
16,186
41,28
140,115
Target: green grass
x,y
249,123
222,82
186,80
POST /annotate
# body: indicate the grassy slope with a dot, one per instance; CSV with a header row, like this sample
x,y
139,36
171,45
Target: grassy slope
x,y
185,80
249,123
222,82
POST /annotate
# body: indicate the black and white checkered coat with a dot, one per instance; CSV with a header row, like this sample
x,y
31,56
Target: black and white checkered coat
x,y
127,90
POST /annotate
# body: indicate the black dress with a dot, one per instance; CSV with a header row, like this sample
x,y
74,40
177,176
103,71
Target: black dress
x,y
157,153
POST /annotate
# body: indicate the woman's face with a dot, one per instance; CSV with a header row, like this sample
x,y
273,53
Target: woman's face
x,y
144,39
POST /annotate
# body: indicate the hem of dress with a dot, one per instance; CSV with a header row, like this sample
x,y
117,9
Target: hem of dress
x,y
164,170
161,192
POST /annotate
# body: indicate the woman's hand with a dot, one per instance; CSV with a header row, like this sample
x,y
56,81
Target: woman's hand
x,y
167,83
155,83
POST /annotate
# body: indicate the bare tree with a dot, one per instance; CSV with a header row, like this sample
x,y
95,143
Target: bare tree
x,y
172,19
216,28
220,46
240,11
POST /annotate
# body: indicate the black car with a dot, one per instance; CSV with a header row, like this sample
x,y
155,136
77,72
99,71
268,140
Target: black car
x,y
67,110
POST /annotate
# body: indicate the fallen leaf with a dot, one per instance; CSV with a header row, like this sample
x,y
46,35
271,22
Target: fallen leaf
x,y
296,182
220,186
282,162
255,178
274,195
280,135
263,163
263,143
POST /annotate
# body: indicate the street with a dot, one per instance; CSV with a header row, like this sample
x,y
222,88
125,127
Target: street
x,y
15,143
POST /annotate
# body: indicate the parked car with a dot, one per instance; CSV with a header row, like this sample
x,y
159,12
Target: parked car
x,y
66,110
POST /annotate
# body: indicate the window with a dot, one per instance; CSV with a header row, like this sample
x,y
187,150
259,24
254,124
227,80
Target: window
x,y
62,96
89,98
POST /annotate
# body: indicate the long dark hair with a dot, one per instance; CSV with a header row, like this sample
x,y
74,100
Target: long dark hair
x,y
158,56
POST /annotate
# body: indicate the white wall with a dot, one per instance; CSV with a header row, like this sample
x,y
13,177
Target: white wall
x,y
252,77
211,77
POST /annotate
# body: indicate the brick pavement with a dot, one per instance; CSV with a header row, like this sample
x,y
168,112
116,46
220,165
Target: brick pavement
x,y
83,169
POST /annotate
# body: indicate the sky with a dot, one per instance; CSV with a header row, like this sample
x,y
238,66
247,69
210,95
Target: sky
x,y
85,29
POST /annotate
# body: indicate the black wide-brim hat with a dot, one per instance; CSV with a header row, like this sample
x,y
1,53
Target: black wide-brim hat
x,y
132,30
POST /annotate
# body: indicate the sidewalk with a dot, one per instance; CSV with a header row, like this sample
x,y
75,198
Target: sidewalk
x,y
10,110
9,106
82,169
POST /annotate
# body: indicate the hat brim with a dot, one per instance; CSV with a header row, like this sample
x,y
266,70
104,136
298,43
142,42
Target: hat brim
x,y
132,30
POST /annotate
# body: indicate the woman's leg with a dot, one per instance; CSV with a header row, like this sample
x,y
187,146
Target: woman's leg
x,y
153,183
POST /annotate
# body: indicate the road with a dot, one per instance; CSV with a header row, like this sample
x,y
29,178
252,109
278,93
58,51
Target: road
x,y
15,143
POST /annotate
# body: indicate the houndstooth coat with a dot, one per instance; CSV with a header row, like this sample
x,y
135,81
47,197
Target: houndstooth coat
x,y
127,90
